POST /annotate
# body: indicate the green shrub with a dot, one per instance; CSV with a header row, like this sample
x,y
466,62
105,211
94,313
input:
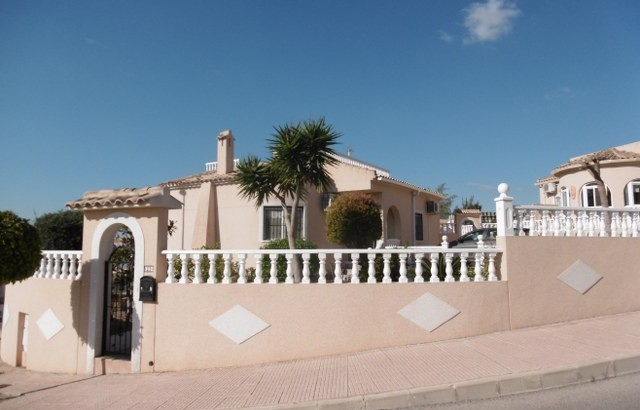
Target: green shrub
x,y
281,262
19,248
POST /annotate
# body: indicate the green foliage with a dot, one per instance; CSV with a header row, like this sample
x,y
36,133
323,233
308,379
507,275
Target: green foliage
x,y
301,155
124,247
470,203
281,262
19,248
60,230
354,220
446,204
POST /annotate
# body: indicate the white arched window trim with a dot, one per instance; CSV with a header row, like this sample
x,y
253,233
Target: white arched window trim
x,y
589,195
632,193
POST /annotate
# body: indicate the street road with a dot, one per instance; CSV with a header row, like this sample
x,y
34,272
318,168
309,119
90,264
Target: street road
x,y
620,393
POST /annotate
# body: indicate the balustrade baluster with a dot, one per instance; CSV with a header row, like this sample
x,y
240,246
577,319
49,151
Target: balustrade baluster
x,y
258,258
79,270
56,266
569,224
289,271
322,270
242,272
521,217
212,269
65,266
434,267
170,269
448,259
386,270
371,271
533,228
464,272
614,224
635,225
625,225
43,267
355,268
419,278
580,224
477,268
592,224
306,274
555,218
49,273
184,271
337,272
603,225
226,273
403,268
492,268
73,260
273,272
545,222
197,270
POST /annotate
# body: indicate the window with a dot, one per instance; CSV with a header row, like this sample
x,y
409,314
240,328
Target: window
x,y
564,197
590,196
419,227
632,194
273,226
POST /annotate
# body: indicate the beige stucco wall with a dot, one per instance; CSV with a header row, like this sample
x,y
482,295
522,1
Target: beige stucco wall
x,y
35,297
536,295
615,175
312,320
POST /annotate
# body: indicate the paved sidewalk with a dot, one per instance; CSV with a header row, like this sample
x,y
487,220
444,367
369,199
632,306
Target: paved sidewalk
x,y
471,368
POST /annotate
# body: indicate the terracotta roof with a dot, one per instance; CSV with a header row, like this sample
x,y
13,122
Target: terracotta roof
x,y
408,185
194,181
609,154
125,198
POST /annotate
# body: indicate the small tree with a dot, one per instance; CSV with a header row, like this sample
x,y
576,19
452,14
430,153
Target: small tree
x,y
446,204
469,203
19,248
60,230
301,155
354,220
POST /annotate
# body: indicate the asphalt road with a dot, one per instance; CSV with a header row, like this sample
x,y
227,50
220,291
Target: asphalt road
x,y
619,393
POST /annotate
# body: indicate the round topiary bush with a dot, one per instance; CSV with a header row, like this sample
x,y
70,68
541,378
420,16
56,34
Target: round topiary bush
x,y
19,248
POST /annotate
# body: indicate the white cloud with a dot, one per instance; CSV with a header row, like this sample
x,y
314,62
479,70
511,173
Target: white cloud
x,y
489,21
444,36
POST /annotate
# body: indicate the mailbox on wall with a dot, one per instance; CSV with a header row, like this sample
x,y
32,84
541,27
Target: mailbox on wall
x,y
148,289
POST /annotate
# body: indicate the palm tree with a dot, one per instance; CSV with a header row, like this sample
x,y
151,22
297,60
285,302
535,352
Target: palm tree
x,y
301,156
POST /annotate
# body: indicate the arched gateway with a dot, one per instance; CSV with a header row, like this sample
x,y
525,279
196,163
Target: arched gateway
x,y
115,313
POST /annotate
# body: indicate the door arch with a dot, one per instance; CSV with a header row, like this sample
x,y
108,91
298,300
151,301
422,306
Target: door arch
x,y
101,248
393,226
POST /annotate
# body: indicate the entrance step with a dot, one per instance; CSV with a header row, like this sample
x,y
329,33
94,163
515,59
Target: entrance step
x,y
111,365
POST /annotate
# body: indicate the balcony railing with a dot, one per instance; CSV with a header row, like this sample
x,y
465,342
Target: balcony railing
x,y
60,265
403,265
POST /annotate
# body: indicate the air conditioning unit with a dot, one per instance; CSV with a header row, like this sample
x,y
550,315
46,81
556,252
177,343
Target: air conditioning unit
x,y
550,187
432,207
327,199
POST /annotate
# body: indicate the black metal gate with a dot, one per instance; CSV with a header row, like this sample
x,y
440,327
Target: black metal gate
x,y
118,310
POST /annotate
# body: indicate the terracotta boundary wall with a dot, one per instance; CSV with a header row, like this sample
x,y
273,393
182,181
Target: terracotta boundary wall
x,y
306,321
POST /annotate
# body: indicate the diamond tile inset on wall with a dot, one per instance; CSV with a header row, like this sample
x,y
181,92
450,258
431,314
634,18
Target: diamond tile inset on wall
x,y
580,277
49,324
428,312
238,324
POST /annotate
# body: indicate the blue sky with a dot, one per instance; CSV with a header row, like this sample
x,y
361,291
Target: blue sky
x,y
116,94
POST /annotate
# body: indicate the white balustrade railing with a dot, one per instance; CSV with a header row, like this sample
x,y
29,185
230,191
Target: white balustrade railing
x,y
60,265
579,222
414,264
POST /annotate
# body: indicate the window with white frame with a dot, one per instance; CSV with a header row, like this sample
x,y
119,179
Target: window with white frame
x,y
591,197
565,199
273,226
632,194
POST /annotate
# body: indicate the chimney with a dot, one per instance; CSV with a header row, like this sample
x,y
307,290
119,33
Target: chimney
x,y
225,152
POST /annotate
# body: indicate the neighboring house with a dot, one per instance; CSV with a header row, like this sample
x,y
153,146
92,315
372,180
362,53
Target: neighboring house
x,y
572,185
213,213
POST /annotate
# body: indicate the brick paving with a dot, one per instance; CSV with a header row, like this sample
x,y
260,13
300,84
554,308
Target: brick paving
x,y
474,367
